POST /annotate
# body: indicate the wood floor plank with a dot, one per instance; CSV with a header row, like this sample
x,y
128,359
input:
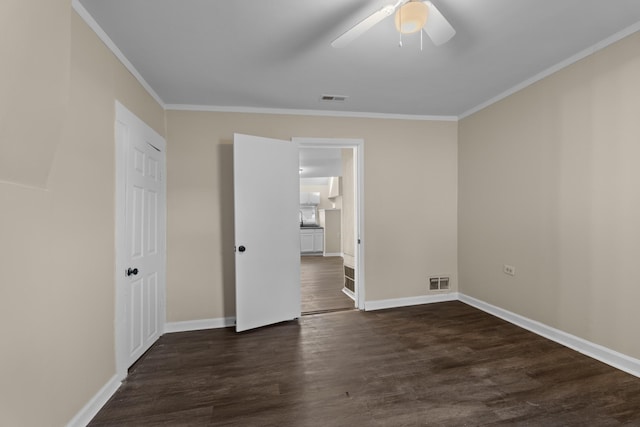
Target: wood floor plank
x,y
443,364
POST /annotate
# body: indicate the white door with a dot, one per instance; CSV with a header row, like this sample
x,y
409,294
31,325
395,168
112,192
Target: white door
x,y
267,238
318,241
142,290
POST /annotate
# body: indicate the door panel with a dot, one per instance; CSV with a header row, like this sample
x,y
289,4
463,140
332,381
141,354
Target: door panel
x,y
152,222
135,211
266,191
140,294
142,212
151,301
135,332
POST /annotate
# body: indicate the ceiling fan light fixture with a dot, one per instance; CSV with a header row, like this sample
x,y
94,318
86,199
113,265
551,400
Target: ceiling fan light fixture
x,y
411,17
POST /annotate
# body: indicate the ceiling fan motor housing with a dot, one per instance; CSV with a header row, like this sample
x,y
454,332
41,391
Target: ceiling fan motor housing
x,y
411,17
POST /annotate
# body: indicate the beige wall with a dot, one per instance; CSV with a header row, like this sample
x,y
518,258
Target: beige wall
x,y
57,239
549,182
35,51
331,220
410,203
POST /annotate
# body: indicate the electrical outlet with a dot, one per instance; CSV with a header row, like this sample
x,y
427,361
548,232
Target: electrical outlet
x,y
509,269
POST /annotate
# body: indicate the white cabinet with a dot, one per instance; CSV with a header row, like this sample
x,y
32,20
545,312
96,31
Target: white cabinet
x,y
314,198
318,241
311,240
306,241
310,198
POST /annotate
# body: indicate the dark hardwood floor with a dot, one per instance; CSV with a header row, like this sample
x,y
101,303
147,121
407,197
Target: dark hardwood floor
x,y
321,283
443,364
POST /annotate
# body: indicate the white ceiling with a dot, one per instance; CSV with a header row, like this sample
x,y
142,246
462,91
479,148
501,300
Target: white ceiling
x,y
276,54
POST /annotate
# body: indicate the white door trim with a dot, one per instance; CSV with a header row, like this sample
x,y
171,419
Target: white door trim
x,y
358,145
121,333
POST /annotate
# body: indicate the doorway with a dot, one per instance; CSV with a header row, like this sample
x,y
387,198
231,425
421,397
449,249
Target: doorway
x,y
332,279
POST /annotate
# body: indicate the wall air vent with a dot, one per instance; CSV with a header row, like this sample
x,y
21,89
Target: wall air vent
x,y
438,283
333,98
350,278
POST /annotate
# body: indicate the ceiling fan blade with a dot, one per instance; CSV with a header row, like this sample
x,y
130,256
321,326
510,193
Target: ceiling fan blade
x,y
437,26
362,26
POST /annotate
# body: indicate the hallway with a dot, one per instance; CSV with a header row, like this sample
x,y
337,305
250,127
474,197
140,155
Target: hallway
x,y
321,283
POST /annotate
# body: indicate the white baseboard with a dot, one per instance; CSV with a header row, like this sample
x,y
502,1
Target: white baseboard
x,y
404,302
332,254
613,358
196,325
86,414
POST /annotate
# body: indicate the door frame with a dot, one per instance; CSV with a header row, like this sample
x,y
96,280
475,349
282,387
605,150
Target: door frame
x,y
121,328
358,145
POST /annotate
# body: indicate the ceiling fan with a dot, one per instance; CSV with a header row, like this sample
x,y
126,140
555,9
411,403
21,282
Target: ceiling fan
x,y
411,16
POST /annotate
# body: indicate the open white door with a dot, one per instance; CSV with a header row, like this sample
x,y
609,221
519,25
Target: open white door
x,y
267,233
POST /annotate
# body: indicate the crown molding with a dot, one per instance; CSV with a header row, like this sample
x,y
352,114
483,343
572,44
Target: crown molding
x,y
322,113
86,16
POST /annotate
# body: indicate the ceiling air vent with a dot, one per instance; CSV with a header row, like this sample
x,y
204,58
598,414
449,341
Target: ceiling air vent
x,y
333,98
